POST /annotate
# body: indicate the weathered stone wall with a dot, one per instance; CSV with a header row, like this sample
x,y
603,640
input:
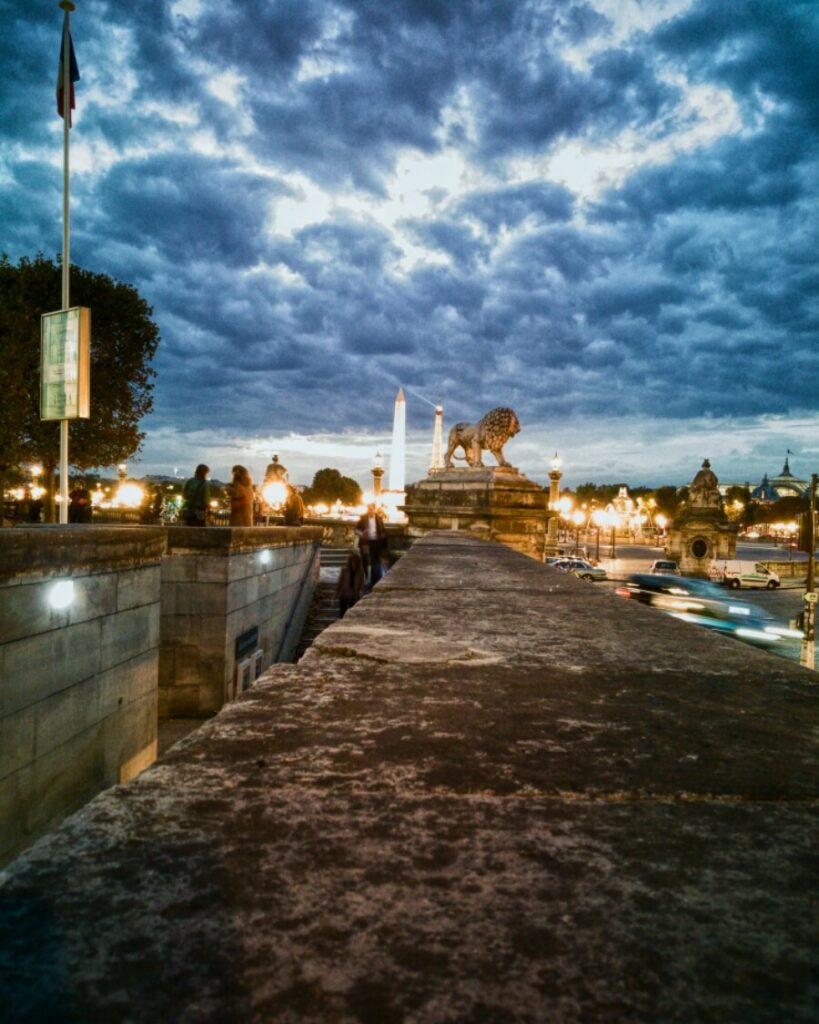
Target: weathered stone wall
x,y
787,570
77,685
490,793
218,585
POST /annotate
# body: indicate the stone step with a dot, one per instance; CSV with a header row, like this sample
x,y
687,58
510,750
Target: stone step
x,y
323,611
334,556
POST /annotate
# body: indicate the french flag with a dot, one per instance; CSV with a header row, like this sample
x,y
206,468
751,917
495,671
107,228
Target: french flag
x,y
73,74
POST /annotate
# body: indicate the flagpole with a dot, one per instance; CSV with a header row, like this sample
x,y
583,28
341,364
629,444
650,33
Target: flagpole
x,y
67,7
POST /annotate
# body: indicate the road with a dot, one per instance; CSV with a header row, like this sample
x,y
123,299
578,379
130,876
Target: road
x,y
784,604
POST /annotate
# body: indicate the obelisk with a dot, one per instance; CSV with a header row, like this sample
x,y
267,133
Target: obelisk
x,y
437,440
398,451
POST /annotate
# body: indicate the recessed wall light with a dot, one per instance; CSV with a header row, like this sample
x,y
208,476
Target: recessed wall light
x,y
61,594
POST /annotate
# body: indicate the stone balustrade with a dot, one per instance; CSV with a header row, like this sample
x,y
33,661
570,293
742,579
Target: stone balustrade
x,y
491,792
233,603
78,682
174,621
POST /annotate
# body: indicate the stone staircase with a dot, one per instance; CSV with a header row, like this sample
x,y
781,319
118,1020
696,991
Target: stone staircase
x,y
324,608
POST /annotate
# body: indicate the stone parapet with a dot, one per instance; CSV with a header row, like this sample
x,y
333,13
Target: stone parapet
x,y
230,596
56,550
491,792
78,691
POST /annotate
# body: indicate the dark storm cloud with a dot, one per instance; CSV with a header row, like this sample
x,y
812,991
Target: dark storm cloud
x,y
731,175
755,47
187,206
457,240
525,110
508,207
201,139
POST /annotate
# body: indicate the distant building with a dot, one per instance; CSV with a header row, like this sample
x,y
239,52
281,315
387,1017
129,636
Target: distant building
x,y
786,485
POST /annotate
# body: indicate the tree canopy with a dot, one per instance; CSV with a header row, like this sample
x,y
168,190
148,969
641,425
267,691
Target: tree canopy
x,y
124,339
329,486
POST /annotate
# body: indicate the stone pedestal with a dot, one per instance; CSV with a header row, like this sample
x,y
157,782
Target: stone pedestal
x,y
493,502
702,530
697,537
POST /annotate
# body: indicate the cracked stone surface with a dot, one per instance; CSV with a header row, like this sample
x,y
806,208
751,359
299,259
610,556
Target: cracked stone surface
x,y
490,793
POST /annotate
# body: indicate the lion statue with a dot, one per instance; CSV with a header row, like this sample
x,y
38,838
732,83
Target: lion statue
x,y
492,432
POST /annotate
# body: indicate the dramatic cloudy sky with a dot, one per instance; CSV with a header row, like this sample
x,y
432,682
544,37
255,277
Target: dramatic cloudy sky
x,y
601,213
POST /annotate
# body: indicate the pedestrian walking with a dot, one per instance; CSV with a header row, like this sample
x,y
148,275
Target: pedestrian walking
x,y
372,541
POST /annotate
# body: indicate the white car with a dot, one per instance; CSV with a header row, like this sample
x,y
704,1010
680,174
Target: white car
x,y
579,567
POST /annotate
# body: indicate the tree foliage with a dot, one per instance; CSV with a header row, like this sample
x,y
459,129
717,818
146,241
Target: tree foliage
x,y
329,486
668,500
597,494
123,341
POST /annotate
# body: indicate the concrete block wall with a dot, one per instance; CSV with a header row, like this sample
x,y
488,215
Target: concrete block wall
x,y
78,685
218,585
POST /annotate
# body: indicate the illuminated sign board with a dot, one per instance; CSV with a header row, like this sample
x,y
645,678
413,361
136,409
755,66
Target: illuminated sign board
x,y
65,353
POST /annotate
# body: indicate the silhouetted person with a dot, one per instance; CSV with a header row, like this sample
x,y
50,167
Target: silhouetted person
x,y
350,585
293,508
196,497
79,504
242,497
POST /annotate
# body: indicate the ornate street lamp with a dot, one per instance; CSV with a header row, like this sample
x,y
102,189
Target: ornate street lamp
x,y
599,519
555,473
578,517
377,472
614,522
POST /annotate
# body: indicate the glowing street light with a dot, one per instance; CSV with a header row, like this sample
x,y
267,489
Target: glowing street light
x,y
275,494
129,494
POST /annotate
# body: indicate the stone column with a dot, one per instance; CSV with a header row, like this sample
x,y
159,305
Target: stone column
x,y
555,474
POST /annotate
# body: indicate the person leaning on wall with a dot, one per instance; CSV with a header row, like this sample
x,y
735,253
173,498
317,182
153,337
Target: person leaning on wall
x,y
293,508
242,497
196,497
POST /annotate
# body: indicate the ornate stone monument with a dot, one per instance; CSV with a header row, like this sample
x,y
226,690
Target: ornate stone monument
x,y
494,502
702,531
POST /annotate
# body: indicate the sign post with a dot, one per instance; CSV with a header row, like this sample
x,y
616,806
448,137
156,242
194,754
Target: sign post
x,y
808,657
65,364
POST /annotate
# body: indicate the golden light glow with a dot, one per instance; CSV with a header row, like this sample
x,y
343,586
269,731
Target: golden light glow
x,y
275,494
130,495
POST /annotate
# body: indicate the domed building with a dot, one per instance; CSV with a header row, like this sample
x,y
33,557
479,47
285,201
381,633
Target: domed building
x,y
765,491
786,485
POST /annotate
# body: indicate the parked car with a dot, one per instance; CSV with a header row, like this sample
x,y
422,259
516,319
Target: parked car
x,y
666,567
707,605
735,573
579,567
